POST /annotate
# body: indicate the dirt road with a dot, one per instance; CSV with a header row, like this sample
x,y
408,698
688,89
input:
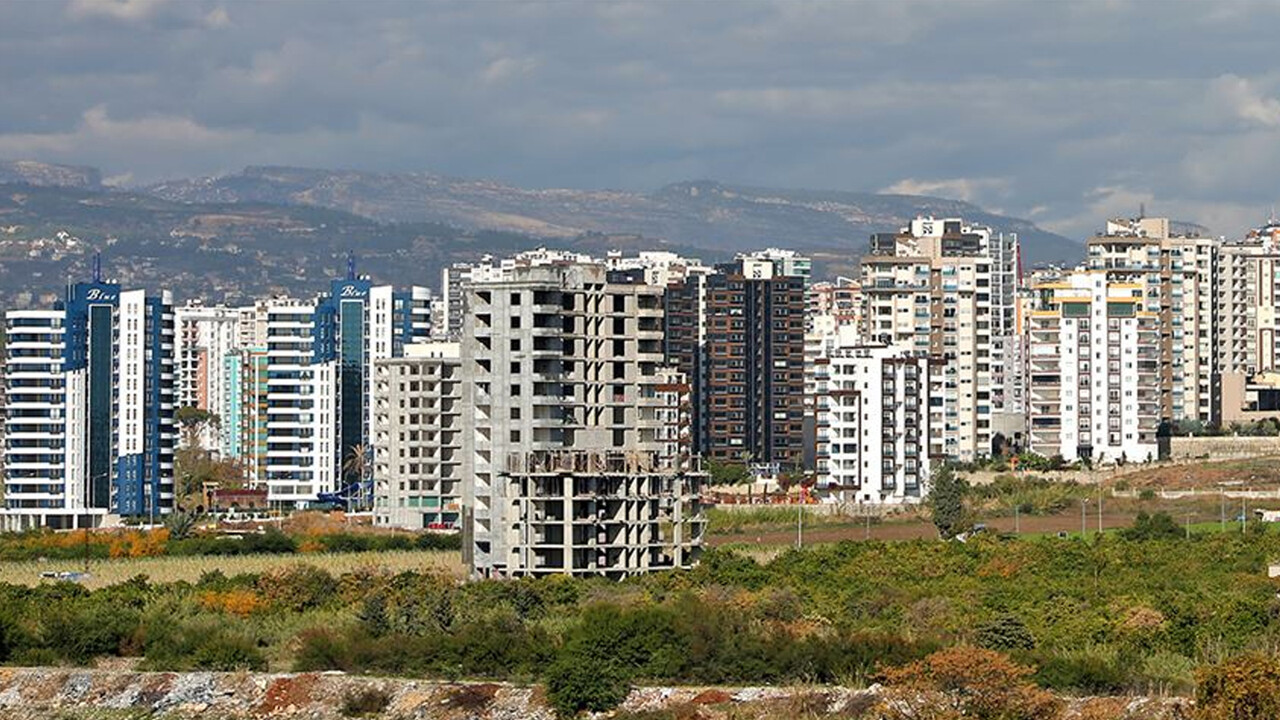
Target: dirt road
x,y
1066,522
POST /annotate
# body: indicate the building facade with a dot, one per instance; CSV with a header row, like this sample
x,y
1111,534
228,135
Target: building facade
x,y
565,449
89,417
752,397
872,418
1095,362
417,438
950,289
320,379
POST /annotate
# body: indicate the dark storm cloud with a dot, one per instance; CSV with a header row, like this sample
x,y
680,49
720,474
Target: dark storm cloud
x,y
1064,112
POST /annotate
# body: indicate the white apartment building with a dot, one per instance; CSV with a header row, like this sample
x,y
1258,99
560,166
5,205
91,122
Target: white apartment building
x,y
1248,333
320,379
206,337
566,450
1177,274
417,438
872,418
1094,366
89,413
950,290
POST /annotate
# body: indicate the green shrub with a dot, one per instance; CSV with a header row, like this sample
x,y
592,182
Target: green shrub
x,y
321,649
226,652
1158,526
577,683
1084,672
1005,632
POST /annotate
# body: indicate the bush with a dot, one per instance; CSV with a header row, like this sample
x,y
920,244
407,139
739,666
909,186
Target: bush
x,y
300,588
975,682
202,643
1005,632
578,682
1158,526
227,652
1083,672
321,649
1242,688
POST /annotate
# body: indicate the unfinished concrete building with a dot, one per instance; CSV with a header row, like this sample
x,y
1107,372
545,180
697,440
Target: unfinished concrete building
x,y
567,449
417,438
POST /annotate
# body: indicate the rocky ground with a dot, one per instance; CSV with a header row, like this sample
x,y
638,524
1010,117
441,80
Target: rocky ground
x,y
119,695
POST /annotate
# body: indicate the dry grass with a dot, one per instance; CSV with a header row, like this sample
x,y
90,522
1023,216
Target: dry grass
x,y
173,569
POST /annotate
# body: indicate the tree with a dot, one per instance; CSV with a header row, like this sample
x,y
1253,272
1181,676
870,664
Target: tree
x,y
965,682
1241,688
946,501
359,466
1157,526
728,473
179,524
193,421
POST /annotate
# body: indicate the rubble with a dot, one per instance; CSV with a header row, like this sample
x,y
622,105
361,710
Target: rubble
x,y
110,694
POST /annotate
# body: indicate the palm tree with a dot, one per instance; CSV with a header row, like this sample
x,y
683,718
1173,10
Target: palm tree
x,y
359,465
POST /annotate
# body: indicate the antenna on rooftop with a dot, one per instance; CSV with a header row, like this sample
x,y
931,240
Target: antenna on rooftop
x,y
97,267
351,265
1272,219
1142,210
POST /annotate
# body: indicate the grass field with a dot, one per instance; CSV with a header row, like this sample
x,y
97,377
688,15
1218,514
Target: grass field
x,y
173,569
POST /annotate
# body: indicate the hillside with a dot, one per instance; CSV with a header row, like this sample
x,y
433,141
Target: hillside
x,y
703,214
231,252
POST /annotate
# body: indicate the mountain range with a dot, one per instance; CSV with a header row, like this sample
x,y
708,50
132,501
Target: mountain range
x,y
702,213
278,229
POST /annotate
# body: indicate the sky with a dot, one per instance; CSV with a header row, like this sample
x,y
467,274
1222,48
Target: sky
x,y
1060,112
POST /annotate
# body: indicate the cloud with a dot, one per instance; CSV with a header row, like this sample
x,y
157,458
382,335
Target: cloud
x,y
967,189
508,68
1072,113
217,18
1242,97
124,10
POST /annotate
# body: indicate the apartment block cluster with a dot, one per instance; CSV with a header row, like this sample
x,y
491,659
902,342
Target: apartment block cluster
x,y
562,411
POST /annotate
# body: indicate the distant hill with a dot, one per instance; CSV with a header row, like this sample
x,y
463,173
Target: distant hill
x,y
703,214
287,230
28,172
230,252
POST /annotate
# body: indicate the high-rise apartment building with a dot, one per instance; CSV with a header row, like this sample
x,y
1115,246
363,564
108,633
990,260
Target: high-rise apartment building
x,y
205,337
1248,328
417,438
752,394
1177,274
950,290
89,417
1095,362
872,416
243,416
565,447
320,361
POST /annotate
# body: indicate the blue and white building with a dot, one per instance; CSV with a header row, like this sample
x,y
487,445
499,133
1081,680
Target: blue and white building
x,y
320,356
89,422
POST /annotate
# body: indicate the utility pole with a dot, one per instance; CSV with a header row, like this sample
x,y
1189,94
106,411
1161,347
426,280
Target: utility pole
x,y
1222,495
1017,520
1084,507
1099,508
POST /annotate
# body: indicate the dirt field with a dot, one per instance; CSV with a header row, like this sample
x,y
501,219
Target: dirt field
x,y
916,529
1258,473
173,569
